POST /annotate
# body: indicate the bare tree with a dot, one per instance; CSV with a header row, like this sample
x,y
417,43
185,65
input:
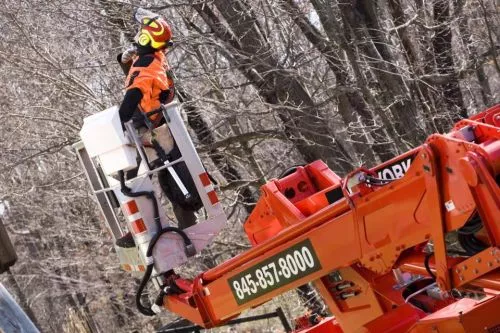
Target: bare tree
x,y
264,85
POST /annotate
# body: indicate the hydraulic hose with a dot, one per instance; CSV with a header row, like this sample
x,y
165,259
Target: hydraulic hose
x,y
189,247
472,226
467,239
379,181
149,194
149,269
471,244
290,170
427,267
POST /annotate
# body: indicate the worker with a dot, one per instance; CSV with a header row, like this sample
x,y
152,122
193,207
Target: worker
x,y
148,85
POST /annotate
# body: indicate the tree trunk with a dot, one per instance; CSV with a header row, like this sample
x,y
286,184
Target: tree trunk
x,y
350,100
249,50
333,31
422,91
360,21
443,53
472,57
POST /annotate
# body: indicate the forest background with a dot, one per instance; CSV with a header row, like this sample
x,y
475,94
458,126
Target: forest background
x,y
265,84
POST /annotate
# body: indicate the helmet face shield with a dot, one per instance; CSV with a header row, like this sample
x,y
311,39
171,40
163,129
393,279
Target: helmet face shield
x,y
144,16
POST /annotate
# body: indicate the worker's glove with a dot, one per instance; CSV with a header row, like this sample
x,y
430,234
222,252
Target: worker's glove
x,y
128,54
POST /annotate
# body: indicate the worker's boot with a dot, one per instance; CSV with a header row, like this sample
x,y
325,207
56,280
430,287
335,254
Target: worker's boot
x,y
127,241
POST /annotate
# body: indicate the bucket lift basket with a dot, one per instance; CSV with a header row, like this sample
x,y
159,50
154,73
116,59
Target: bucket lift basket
x,y
169,250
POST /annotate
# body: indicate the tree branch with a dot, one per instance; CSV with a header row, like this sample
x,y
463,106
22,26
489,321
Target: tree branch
x,y
245,137
49,150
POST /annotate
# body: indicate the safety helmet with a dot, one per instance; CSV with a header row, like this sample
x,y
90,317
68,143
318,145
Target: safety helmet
x,y
154,30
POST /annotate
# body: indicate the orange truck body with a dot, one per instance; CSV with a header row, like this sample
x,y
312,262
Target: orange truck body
x,y
352,238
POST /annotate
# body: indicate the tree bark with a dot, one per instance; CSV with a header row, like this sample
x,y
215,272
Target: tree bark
x,y
333,30
360,21
422,91
472,56
443,54
350,101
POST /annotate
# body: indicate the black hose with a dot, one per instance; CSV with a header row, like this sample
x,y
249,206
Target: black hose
x,y
471,244
149,194
149,269
378,181
289,171
469,230
472,226
426,264
161,231
463,240
476,244
466,236
159,150
145,279
467,241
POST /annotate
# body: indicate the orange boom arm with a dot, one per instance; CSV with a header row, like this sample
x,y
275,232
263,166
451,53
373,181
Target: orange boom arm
x,y
360,240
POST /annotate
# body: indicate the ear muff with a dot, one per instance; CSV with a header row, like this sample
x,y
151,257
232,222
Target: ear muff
x,y
143,39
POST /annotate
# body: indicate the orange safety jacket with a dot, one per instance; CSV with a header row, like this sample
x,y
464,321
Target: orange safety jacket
x,y
151,80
